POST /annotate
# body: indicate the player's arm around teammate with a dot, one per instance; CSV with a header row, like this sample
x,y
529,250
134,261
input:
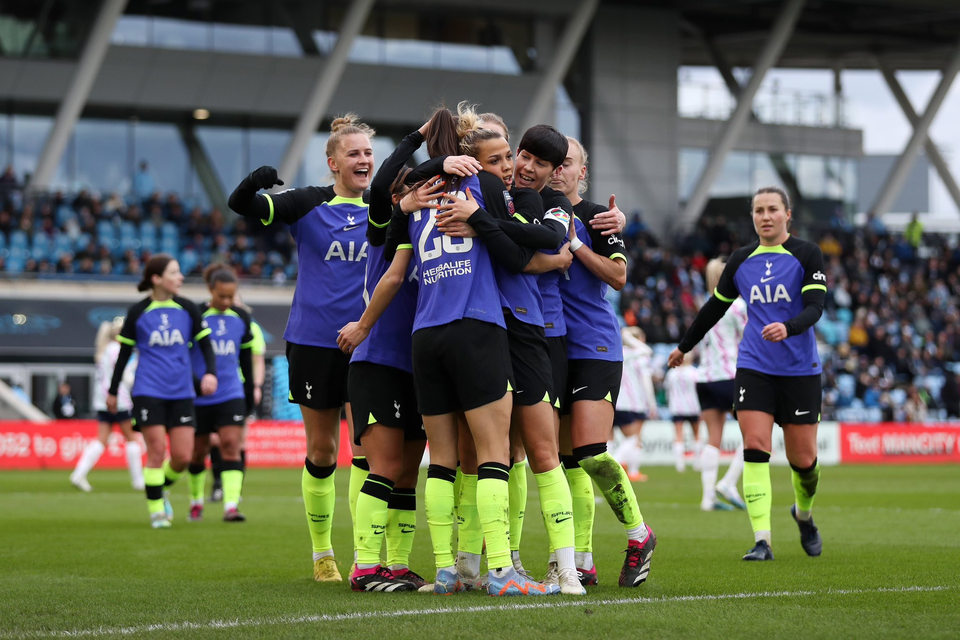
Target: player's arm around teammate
x,y
778,368
595,353
161,327
329,226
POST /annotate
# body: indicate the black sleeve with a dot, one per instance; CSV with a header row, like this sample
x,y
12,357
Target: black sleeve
x,y
726,289
287,206
505,251
710,313
524,225
398,234
814,288
607,246
381,201
430,168
127,340
201,334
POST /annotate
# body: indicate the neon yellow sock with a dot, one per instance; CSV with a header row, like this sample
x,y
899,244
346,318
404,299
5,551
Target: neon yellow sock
x,y
557,507
170,476
493,504
805,483
616,488
197,483
469,529
153,480
438,504
518,502
232,480
371,522
319,499
358,474
584,508
401,526
758,494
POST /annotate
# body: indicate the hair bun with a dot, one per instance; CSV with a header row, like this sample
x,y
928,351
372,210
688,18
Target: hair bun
x,y
344,121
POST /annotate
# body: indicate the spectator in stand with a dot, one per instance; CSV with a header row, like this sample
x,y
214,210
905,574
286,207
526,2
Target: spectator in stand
x,y
915,407
64,407
913,233
143,184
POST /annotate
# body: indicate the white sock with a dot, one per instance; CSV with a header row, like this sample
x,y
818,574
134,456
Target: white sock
x,y
398,567
732,477
626,448
697,450
91,454
632,459
134,462
553,558
584,559
638,533
468,564
366,566
565,558
678,452
709,463
762,535
194,503
322,554
230,505
802,515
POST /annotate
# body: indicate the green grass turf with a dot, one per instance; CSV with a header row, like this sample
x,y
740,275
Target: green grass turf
x,y
72,562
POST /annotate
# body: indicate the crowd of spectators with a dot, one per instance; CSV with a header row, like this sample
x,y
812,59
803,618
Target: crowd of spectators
x,y
889,336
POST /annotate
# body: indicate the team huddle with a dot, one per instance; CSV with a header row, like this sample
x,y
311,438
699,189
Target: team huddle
x,y
461,303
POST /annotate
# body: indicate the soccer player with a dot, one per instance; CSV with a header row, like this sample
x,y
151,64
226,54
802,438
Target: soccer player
x,y
778,368
539,154
637,400
225,411
595,354
715,390
681,387
161,327
105,355
329,227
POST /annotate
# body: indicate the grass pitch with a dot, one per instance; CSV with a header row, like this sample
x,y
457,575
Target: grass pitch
x,y
75,564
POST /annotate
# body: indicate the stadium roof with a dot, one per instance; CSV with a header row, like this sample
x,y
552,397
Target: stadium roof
x,y
849,34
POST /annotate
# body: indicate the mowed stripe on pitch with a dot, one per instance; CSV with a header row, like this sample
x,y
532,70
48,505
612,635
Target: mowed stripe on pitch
x,y
519,606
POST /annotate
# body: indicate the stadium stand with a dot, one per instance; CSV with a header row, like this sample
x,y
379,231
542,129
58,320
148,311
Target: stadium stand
x,y
889,336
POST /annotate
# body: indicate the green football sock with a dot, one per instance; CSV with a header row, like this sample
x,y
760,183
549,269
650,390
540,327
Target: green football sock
x,y
469,529
359,468
438,504
518,502
757,491
557,507
614,484
493,504
153,481
401,527
319,499
232,480
198,480
584,505
169,475
805,483
371,523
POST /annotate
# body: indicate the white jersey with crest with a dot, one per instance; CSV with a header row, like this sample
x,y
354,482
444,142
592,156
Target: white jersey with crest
x,y
718,350
681,387
105,366
636,386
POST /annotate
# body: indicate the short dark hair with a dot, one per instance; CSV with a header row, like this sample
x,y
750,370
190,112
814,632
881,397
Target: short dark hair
x,y
546,143
218,272
155,267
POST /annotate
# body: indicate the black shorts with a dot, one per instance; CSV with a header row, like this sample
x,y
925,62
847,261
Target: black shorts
x,y
623,418
384,395
694,420
460,366
592,380
230,413
530,359
789,399
557,351
149,411
716,395
318,376
113,418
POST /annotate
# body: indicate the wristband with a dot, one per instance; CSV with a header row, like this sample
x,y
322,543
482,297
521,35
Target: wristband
x,y
575,244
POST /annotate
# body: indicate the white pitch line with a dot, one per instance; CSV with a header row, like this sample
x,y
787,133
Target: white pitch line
x,y
520,606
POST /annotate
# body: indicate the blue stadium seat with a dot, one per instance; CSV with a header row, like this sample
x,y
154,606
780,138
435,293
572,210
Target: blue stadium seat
x,y
169,230
63,244
248,257
188,260
148,243
3,241
64,213
18,239
40,247
82,241
15,264
170,245
148,230
128,230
